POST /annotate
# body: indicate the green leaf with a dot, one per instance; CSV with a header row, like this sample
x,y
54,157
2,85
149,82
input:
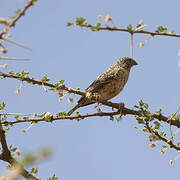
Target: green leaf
x,y
140,120
159,112
11,73
22,75
80,21
2,106
146,106
18,11
59,114
41,115
129,27
59,84
4,118
162,134
161,29
69,24
145,130
171,32
97,27
157,127
25,118
141,103
34,171
34,1
53,177
12,149
45,79
170,139
16,117
166,147
136,106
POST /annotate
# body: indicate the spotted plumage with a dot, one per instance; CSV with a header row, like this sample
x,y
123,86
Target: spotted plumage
x,y
109,84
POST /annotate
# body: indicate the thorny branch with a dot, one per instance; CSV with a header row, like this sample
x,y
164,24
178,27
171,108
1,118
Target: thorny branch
x,y
122,110
6,154
13,23
161,138
132,32
7,157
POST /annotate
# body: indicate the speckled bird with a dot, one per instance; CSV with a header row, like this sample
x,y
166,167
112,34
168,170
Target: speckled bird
x,y
109,84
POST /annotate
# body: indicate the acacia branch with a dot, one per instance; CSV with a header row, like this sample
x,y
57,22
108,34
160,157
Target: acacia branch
x,y
13,23
131,32
39,82
124,110
7,157
6,154
171,144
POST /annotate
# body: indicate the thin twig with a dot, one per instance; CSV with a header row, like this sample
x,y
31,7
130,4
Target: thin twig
x,y
13,58
134,32
7,157
125,111
13,23
14,114
161,138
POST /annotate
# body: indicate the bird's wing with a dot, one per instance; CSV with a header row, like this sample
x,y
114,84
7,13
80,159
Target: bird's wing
x,y
103,80
99,83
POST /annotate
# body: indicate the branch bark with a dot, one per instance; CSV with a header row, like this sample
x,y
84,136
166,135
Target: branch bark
x,y
7,157
13,23
124,110
132,32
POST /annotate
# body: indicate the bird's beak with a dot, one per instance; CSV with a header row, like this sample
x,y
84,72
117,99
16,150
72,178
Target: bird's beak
x,y
135,63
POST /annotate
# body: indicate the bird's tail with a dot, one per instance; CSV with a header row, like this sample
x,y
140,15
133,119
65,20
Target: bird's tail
x,y
73,109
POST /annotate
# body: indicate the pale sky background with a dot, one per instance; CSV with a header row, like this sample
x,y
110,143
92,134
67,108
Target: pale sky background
x,y
94,148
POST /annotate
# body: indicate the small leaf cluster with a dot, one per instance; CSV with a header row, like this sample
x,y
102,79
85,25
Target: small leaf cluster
x,y
2,106
144,113
54,177
34,1
12,149
97,27
161,29
60,114
174,116
129,27
34,171
45,79
79,21
59,84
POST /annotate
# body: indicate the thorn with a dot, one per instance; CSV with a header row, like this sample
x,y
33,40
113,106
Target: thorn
x,y
17,44
12,58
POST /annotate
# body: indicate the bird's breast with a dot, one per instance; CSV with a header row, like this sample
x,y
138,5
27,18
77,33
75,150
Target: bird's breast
x,y
114,87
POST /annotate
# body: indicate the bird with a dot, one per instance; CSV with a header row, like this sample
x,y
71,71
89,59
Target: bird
x,y
107,85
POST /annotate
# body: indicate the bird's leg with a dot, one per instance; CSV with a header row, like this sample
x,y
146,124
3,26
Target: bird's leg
x,y
121,107
100,100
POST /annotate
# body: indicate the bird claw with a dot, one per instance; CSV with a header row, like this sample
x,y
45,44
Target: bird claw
x,y
121,107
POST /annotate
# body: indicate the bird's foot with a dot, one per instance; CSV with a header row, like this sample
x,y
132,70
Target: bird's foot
x,y
121,107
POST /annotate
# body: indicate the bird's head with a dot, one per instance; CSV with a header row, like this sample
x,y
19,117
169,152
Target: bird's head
x,y
126,62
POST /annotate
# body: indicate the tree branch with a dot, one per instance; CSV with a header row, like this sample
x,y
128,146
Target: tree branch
x,y
131,32
161,138
7,157
124,110
13,23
